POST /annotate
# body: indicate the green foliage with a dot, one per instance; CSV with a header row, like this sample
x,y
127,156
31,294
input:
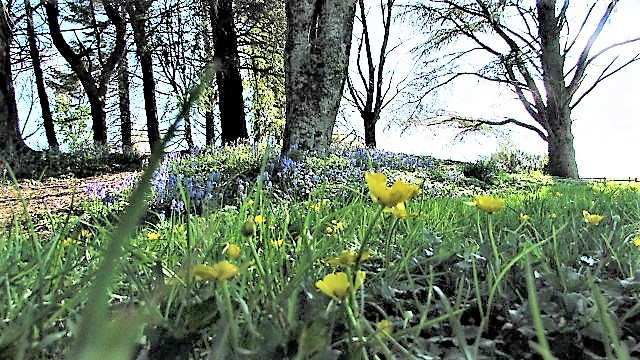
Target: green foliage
x,y
71,123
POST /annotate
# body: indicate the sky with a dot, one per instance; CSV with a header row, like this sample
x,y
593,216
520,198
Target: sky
x,y
606,123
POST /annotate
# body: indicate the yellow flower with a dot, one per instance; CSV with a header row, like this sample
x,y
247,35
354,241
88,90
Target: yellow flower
x,y
328,229
399,211
69,241
488,204
250,202
153,236
592,219
348,257
336,285
223,270
337,225
315,207
559,194
553,215
636,241
179,229
524,217
259,219
389,196
276,243
233,251
85,234
385,326
325,202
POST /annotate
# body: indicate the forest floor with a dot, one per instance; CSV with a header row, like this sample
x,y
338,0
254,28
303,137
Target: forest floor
x,y
50,195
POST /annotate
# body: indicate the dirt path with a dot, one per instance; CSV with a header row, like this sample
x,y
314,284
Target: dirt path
x,y
51,195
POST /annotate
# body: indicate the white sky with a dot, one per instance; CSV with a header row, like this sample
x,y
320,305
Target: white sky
x,y
606,123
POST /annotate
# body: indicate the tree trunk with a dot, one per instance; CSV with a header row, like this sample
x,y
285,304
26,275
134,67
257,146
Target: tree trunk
x,y
562,156
11,143
124,105
138,16
557,114
369,119
95,89
231,101
47,118
316,62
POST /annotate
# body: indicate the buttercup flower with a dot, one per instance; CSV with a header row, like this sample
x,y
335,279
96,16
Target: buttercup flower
x,y
153,236
338,225
488,204
233,251
328,229
524,217
250,202
553,215
399,211
85,234
276,243
337,285
69,241
348,257
636,241
592,219
222,271
389,196
259,219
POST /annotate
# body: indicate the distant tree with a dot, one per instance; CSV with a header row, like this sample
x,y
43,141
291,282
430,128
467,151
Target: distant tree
x,y
231,102
138,17
370,95
82,63
531,53
316,61
124,105
34,52
262,25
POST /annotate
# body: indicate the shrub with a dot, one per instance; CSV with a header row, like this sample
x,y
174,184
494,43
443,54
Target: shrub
x,y
514,160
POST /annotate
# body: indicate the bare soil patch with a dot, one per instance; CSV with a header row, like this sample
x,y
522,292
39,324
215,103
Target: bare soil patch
x,y
50,195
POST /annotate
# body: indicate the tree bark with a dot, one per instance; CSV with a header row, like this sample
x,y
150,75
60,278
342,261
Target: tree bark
x,y
124,104
557,113
47,118
95,88
231,102
11,143
316,61
138,17
369,119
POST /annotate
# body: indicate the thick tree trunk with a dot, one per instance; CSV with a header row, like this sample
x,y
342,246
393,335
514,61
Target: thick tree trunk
x,y
124,105
138,16
47,118
231,102
562,156
10,139
316,61
95,89
556,117
12,147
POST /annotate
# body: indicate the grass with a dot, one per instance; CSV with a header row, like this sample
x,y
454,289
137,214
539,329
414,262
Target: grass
x,y
447,281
